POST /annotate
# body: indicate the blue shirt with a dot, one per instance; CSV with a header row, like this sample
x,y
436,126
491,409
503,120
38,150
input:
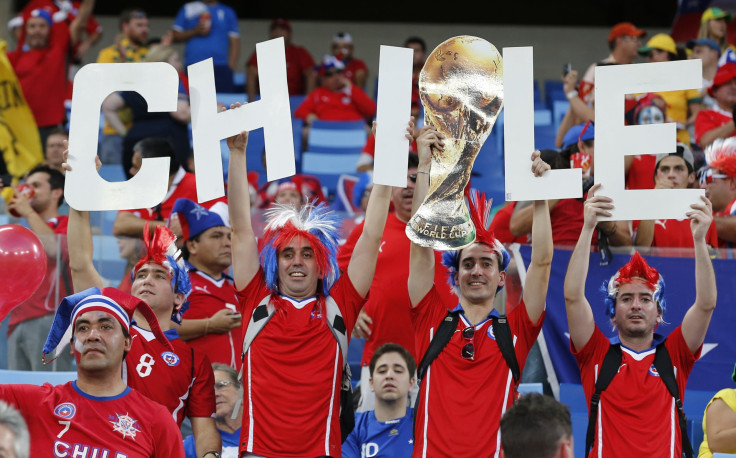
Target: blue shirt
x,y
372,438
224,24
229,444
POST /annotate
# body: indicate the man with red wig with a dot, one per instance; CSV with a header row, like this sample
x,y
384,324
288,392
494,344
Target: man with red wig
x,y
635,414
719,180
180,379
293,369
469,385
97,414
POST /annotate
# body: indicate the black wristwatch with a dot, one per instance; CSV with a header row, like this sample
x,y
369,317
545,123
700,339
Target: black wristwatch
x,y
212,452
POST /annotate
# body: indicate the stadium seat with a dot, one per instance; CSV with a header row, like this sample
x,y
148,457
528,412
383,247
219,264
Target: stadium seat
x,y
36,377
328,167
694,406
295,101
579,430
525,388
355,355
573,395
337,136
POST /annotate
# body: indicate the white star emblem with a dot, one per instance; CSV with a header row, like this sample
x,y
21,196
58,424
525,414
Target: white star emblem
x,y
125,425
199,211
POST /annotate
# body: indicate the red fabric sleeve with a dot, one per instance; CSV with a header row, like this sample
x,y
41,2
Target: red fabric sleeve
x,y
202,395
253,59
704,122
364,104
306,107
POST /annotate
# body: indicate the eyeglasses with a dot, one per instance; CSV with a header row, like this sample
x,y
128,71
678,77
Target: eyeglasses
x,y
222,384
468,351
707,176
412,177
332,73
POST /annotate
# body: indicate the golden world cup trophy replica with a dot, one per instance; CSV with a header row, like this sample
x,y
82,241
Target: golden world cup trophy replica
x,y
461,88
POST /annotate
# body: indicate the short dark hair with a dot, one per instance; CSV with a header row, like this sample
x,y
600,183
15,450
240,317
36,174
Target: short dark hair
x,y
417,40
411,364
413,161
56,179
185,249
58,131
130,13
231,373
158,147
534,426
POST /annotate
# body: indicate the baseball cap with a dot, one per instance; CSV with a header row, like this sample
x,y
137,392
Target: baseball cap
x,y
342,36
330,63
625,29
660,41
43,14
574,134
725,73
281,22
684,152
709,42
715,13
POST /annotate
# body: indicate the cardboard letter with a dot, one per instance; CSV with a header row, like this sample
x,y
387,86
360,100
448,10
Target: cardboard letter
x,y
394,110
271,112
613,140
518,93
85,190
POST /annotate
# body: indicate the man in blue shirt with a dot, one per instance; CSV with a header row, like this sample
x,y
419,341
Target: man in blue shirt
x,y
386,431
210,30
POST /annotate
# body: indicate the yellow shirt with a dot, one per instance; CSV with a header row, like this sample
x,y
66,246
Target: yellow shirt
x,y
677,104
728,396
123,52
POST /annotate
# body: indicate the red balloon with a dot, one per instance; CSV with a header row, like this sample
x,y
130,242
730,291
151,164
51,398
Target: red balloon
x,y
23,266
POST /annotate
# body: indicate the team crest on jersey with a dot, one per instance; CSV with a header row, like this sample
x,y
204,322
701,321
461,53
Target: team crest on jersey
x,y
653,371
490,332
172,359
65,410
316,312
125,425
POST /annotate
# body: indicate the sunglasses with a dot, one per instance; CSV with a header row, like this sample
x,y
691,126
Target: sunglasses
x,y
706,176
412,177
332,73
222,384
468,351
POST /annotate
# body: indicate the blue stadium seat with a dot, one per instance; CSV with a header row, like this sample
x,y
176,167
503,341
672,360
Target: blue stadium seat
x,y
355,354
573,395
694,407
112,172
525,388
579,430
227,98
295,101
36,377
337,136
239,79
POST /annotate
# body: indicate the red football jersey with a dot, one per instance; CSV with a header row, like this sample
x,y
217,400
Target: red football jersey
x,y
677,233
388,303
64,421
292,374
636,414
182,381
337,106
208,297
183,186
462,400
298,60
641,172
710,119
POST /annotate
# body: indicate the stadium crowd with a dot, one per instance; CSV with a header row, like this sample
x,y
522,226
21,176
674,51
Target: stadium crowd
x,y
228,333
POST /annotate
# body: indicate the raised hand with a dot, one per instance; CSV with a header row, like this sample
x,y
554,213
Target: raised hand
x,y
701,217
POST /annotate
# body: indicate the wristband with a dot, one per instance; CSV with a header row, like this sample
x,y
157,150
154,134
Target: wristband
x,y
212,452
571,95
423,171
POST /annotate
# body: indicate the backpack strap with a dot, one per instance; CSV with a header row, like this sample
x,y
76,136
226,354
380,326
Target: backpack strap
x,y
441,338
505,341
609,369
337,326
663,364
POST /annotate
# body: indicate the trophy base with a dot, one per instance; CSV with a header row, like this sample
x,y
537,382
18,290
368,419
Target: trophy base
x,y
443,232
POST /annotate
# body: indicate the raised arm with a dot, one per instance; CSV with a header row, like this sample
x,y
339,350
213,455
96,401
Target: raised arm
x,y
579,314
362,265
537,277
696,320
244,246
79,241
421,259
76,29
